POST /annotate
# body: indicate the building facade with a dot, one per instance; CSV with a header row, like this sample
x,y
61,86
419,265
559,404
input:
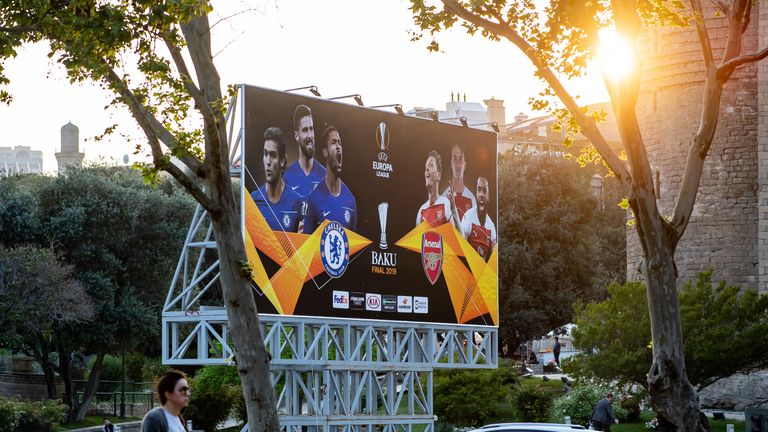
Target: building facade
x,y
728,231
20,160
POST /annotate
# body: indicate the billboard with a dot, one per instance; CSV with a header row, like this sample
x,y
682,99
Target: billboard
x,y
351,212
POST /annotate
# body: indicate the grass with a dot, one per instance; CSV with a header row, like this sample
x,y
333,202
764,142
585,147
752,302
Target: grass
x,y
97,421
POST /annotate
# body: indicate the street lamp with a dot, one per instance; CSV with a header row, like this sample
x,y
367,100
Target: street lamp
x,y
493,125
122,387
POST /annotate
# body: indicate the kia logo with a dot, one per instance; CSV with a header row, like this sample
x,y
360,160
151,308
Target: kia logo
x,y
373,302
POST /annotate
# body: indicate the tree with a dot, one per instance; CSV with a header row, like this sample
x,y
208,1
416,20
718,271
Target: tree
x,y
38,295
101,42
556,246
723,331
118,235
558,40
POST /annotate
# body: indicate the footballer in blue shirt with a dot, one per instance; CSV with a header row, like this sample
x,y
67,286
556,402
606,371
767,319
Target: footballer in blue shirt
x,y
306,173
332,198
279,205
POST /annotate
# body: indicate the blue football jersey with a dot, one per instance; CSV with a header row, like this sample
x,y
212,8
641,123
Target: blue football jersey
x,y
284,215
302,184
321,205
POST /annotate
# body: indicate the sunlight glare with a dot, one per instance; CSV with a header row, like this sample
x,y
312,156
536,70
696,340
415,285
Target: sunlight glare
x,y
614,54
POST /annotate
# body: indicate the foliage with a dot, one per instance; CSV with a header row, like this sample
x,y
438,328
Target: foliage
x,y
118,237
134,367
214,396
548,207
23,416
580,402
42,416
531,403
471,397
722,331
724,328
112,368
9,415
615,335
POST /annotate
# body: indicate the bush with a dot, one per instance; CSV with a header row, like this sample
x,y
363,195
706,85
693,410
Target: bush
x,y
214,395
41,416
9,415
581,400
20,416
531,403
134,367
472,397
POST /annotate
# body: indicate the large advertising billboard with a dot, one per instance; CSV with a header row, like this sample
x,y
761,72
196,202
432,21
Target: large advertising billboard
x,y
352,212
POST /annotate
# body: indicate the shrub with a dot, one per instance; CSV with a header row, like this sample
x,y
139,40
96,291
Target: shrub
x,y
42,416
531,403
581,400
9,415
21,416
472,397
214,394
134,367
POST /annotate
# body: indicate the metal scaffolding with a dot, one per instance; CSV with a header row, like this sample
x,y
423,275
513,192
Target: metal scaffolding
x,y
328,374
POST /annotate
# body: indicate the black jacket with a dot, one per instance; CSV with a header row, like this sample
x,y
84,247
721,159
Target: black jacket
x,y
604,412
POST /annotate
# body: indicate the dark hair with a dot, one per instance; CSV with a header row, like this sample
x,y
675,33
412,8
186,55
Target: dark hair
x,y
438,160
168,382
299,113
276,134
325,134
609,395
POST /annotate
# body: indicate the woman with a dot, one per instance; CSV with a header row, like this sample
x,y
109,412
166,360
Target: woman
x,y
173,390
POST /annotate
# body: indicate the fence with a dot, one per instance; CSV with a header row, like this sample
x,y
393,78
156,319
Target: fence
x,y
139,398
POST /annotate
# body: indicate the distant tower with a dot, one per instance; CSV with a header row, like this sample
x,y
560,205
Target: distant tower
x,y
70,147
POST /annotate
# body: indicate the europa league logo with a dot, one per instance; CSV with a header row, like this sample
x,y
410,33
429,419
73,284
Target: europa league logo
x,y
382,137
383,224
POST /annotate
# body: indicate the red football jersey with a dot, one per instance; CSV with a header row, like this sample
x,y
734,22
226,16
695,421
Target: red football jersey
x,y
435,215
480,239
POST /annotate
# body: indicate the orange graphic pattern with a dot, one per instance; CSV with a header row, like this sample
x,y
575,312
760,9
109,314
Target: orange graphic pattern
x,y
473,291
298,256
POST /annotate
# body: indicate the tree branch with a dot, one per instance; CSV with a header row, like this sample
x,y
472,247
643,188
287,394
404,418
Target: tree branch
x,y
197,33
587,124
721,6
701,30
186,78
728,67
150,125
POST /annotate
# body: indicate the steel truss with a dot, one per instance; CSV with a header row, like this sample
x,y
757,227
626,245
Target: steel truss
x,y
329,374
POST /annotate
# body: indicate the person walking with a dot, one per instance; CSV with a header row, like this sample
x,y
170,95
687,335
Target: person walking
x,y
556,351
173,390
603,416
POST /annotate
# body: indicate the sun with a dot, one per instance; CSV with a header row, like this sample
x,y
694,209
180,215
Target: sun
x,y
614,54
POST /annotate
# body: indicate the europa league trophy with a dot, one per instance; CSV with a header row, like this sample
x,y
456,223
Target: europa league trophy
x,y
383,223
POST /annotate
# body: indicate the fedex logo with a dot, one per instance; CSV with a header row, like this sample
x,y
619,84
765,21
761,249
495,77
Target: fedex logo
x,y
341,299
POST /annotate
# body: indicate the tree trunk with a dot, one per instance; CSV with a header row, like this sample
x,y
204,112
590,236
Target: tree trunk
x,y
90,388
48,372
673,398
251,354
70,393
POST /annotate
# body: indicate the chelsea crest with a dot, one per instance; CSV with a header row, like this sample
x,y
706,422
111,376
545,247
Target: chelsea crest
x,y
334,249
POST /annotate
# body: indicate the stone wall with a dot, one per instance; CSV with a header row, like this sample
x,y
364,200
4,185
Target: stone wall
x,y
723,232
26,386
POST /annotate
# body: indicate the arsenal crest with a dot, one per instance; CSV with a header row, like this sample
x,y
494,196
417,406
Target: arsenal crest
x,y
432,255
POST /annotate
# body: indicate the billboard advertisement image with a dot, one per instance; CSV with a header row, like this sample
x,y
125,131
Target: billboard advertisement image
x,y
352,212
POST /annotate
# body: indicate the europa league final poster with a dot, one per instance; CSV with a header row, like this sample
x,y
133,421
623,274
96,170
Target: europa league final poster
x,y
351,212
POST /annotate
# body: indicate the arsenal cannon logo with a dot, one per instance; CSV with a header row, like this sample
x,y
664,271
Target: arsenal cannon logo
x,y
432,255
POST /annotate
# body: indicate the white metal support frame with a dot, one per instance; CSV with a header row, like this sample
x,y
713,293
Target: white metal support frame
x,y
329,374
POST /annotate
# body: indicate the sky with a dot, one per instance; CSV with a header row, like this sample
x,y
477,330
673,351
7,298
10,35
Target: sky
x,y
340,46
